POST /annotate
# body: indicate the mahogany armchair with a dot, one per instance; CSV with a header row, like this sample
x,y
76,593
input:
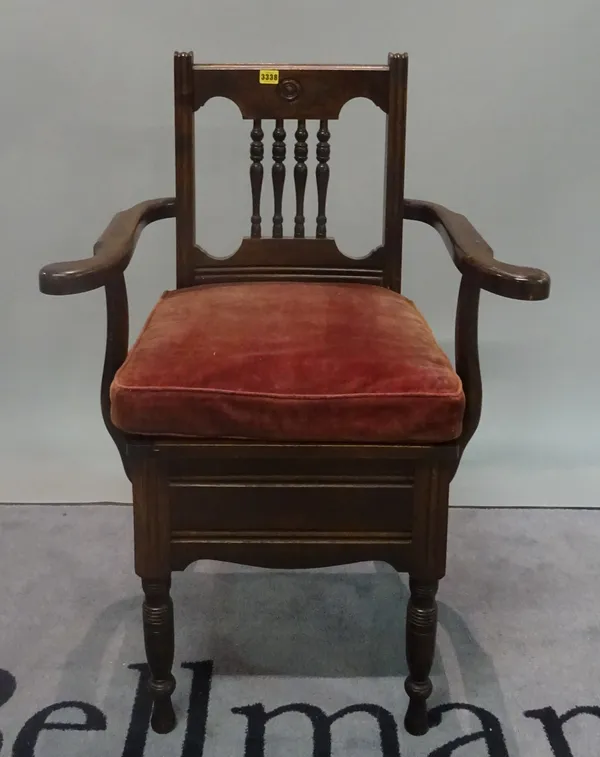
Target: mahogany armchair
x,y
287,406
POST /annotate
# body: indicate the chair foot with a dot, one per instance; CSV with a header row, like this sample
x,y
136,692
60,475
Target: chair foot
x,y
159,642
421,626
416,720
163,716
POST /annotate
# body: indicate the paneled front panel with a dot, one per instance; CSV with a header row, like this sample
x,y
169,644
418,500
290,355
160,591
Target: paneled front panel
x,y
377,510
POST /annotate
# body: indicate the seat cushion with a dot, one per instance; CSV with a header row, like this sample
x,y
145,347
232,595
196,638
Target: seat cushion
x,y
288,361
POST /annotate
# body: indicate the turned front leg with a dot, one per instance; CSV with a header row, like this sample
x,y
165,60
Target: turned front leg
x,y
421,626
159,642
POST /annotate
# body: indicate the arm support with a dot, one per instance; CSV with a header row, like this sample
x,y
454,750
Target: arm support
x,y
112,252
474,258
472,255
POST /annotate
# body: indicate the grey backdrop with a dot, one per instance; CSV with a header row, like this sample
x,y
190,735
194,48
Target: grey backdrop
x,y
504,107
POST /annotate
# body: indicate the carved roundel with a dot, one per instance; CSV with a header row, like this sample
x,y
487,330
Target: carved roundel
x,y
289,89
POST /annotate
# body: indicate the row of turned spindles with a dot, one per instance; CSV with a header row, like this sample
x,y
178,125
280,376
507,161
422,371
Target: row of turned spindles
x,y
278,170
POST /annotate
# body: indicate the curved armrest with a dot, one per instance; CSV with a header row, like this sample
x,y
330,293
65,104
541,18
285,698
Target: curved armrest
x,y
112,252
471,254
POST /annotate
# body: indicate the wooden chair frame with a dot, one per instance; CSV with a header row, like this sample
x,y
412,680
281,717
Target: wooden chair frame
x,y
217,499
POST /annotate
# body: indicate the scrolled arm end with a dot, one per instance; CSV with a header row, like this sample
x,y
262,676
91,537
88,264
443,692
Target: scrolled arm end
x,y
506,280
73,277
112,251
475,258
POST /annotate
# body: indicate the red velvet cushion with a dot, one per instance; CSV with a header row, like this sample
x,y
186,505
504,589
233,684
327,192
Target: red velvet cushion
x,y
288,361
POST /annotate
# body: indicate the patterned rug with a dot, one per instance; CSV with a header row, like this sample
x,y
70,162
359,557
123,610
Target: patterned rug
x,y
274,664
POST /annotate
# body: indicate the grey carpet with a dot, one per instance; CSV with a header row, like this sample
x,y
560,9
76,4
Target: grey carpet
x,y
517,647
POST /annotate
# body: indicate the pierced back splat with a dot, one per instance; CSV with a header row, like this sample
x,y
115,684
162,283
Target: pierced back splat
x,y
304,93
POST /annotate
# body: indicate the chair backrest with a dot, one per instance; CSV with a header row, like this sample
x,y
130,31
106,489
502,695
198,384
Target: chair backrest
x,y
281,93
